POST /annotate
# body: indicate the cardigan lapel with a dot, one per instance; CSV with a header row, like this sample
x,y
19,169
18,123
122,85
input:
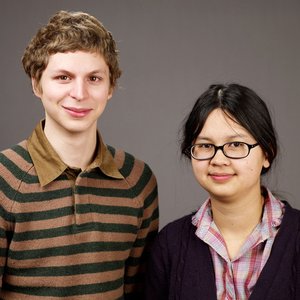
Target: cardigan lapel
x,y
274,280
198,281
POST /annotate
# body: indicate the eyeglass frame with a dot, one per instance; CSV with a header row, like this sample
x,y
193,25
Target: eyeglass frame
x,y
216,148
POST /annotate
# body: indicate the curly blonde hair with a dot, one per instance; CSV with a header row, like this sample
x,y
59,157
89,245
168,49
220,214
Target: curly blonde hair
x,y
70,31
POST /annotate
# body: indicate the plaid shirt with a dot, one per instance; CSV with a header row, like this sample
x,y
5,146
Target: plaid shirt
x,y
235,279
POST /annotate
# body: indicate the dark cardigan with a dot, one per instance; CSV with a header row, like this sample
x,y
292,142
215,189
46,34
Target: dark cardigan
x,y
181,266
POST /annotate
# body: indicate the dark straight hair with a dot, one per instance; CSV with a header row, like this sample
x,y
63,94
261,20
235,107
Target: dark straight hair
x,y
243,106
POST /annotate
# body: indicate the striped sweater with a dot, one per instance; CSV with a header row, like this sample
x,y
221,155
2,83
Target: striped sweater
x,y
74,239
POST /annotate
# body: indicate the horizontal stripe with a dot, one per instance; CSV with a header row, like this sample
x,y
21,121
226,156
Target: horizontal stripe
x,y
71,240
18,196
44,215
100,287
66,270
70,250
146,222
103,209
80,209
81,190
70,230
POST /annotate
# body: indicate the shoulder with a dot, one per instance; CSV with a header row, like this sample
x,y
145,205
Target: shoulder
x,y
177,230
173,240
129,165
15,168
290,225
291,213
16,158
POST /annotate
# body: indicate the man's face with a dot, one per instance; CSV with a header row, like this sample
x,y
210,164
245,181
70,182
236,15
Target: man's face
x,y
74,89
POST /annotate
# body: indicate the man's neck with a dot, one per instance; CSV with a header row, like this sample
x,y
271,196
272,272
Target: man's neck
x,y
75,149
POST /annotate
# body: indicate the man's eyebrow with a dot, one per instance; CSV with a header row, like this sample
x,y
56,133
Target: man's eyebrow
x,y
69,72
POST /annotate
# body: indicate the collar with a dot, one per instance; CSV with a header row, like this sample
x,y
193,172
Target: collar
x,y
272,217
49,165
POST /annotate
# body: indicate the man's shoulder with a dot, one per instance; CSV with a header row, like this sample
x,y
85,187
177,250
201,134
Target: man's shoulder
x,y
15,167
127,163
16,153
15,159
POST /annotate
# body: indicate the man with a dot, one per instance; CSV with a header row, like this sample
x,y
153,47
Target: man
x,y
76,215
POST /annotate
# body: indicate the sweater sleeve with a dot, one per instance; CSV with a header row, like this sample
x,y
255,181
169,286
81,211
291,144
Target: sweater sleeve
x,y
147,231
6,225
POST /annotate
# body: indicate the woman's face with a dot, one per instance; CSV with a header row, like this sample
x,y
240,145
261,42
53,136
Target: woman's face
x,y
223,178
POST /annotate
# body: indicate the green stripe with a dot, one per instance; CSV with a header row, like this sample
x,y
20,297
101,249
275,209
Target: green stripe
x,y
18,173
32,197
70,250
125,193
128,165
81,190
100,287
80,209
23,153
7,216
73,229
67,270
146,223
150,198
125,170
128,162
44,215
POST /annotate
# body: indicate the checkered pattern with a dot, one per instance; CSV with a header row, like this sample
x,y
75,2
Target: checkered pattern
x,y
236,278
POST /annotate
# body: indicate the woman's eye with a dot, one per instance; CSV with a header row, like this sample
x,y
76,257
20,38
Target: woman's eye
x,y
205,146
236,144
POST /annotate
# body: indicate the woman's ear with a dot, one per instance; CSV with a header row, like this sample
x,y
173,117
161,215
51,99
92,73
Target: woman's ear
x,y
266,163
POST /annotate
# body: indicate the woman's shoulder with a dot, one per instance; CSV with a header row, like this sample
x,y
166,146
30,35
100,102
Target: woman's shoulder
x,y
177,228
291,211
291,220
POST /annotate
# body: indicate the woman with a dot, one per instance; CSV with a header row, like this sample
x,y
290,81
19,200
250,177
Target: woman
x,y
243,242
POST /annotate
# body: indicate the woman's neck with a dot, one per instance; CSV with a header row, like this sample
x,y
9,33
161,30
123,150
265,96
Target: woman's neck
x,y
237,220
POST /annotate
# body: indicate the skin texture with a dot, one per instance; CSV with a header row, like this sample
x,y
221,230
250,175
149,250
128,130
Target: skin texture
x,y
74,90
233,184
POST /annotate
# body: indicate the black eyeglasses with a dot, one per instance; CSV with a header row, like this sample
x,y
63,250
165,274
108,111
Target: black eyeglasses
x,y
234,150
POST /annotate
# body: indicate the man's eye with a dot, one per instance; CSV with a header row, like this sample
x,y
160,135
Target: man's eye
x,y
94,78
63,77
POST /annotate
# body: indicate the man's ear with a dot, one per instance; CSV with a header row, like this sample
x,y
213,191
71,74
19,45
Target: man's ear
x,y
111,91
36,88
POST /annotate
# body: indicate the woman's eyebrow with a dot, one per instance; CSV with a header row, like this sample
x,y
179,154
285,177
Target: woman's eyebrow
x,y
229,137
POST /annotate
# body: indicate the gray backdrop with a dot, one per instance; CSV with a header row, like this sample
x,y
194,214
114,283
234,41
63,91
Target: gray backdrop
x,y
170,52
